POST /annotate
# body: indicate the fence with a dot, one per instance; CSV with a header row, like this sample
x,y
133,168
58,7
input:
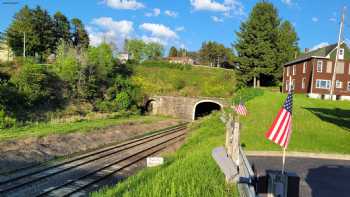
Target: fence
x,y
245,186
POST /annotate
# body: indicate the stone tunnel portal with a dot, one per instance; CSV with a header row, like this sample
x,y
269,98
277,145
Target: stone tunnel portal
x,y
204,108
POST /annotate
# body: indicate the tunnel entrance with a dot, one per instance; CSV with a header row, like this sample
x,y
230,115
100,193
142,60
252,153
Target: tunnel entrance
x,y
149,107
205,108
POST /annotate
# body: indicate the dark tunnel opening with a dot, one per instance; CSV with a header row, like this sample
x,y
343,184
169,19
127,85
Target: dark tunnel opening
x,y
205,108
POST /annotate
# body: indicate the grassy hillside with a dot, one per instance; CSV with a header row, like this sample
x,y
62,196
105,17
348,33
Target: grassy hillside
x,y
191,171
190,81
318,125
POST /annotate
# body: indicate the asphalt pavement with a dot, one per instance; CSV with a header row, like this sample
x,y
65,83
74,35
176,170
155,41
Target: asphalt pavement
x,y
318,177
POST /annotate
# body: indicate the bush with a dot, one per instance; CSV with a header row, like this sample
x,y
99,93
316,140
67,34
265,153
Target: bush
x,y
6,121
179,84
105,106
122,101
246,94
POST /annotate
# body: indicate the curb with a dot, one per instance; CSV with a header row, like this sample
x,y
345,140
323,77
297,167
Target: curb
x,y
299,154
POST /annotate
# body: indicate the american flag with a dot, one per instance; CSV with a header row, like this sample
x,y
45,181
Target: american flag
x,y
241,109
281,128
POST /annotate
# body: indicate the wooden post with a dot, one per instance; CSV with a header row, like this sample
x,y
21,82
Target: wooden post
x,y
229,136
235,141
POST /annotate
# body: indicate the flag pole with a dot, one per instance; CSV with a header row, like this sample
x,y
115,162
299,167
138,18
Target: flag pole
x,y
283,160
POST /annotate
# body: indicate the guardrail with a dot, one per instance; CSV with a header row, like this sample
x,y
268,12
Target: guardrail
x,y
246,173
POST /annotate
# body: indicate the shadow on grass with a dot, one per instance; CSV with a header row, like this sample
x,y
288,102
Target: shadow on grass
x,y
337,116
329,180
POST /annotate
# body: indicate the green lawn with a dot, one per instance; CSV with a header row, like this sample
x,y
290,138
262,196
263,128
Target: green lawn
x,y
190,171
197,81
42,129
318,125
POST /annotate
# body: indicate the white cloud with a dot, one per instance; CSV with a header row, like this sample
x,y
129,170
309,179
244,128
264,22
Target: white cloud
x,y
182,28
320,45
158,30
226,7
217,19
171,13
288,2
155,12
314,19
106,29
124,4
158,33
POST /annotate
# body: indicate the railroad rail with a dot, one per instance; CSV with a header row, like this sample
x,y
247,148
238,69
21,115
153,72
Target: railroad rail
x,y
73,176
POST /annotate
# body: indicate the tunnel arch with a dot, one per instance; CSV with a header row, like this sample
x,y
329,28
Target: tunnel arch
x,y
205,107
149,106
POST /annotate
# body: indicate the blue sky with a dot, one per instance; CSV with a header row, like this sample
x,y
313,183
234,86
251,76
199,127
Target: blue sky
x,y
187,23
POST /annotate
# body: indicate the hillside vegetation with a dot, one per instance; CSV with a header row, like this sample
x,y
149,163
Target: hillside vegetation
x,y
190,171
165,79
318,125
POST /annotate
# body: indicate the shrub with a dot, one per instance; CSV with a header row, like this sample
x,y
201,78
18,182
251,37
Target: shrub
x,y
179,84
122,101
105,106
6,121
246,94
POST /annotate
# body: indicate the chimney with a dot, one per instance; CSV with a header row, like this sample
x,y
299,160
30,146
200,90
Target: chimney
x,y
306,50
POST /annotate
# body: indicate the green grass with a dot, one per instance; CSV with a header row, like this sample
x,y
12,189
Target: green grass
x,y
43,129
319,126
196,81
190,171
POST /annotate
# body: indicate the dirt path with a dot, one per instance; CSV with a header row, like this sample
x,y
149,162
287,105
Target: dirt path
x,y
20,153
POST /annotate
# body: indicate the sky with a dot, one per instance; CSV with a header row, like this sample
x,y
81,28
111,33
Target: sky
x,y
187,23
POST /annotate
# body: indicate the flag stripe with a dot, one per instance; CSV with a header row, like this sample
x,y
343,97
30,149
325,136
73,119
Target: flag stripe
x,y
279,119
275,121
282,127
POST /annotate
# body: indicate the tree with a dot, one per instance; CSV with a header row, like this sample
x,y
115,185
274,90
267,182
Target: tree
x,y
257,45
287,47
215,54
172,52
153,51
80,37
136,49
61,28
182,52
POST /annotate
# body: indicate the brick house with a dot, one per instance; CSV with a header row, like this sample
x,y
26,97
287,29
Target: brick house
x,y
311,73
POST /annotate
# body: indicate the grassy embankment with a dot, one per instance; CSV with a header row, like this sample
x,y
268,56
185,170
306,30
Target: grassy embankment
x,y
190,171
43,129
190,81
319,126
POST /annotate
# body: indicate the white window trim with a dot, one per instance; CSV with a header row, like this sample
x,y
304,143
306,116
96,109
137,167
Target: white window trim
x,y
294,70
288,71
287,85
304,67
348,88
319,61
320,80
303,83
340,83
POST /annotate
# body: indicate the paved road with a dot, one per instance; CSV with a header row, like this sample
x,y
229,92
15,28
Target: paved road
x,y
319,177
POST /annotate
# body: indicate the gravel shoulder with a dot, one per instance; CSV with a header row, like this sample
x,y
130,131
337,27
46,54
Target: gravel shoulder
x,y
15,154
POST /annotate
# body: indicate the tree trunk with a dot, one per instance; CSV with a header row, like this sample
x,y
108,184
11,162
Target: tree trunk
x,y
254,82
258,83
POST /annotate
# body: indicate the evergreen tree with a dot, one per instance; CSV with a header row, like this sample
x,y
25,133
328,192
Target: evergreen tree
x,y
172,52
287,46
257,45
80,37
61,28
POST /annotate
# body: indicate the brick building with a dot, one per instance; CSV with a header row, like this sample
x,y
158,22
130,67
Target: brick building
x,y
312,72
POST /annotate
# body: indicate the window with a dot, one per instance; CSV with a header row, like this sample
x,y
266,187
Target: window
x,y
340,68
323,84
329,67
287,71
294,69
304,67
341,54
303,83
287,85
338,84
319,66
348,85
293,84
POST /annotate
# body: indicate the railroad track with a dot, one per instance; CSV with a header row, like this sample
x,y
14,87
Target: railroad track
x,y
73,176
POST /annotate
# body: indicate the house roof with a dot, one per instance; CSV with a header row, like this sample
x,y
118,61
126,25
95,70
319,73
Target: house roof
x,y
322,52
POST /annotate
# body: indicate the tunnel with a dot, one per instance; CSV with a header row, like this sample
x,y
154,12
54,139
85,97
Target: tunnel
x,y
149,107
204,108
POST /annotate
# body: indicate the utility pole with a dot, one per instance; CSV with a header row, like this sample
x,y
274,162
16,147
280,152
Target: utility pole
x,y
337,55
24,44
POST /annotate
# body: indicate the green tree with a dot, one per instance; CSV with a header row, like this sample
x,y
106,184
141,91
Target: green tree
x,y
215,54
61,28
22,23
80,37
153,51
257,45
136,49
287,47
172,52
